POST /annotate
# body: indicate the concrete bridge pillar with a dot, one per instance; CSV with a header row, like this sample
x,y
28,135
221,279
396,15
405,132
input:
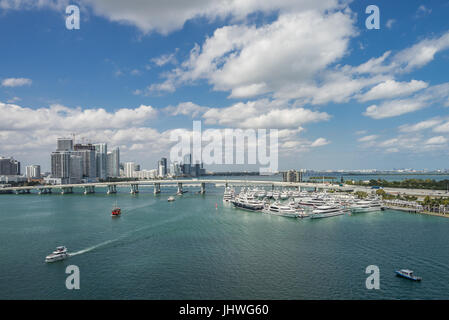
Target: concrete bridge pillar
x,y
179,188
66,190
203,188
89,189
112,188
157,188
134,188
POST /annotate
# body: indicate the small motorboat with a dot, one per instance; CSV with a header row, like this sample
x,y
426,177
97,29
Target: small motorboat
x,y
116,211
408,274
59,254
171,198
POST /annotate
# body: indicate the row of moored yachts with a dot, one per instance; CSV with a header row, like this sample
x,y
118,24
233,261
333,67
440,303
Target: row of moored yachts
x,y
298,204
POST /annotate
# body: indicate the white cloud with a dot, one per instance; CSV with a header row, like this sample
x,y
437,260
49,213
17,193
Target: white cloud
x,y
165,59
425,98
263,114
167,16
393,108
187,109
16,82
59,117
250,60
422,125
368,138
319,142
436,140
392,89
389,23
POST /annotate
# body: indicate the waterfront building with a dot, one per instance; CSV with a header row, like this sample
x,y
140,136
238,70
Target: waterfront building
x,y
129,169
114,163
101,155
60,165
162,167
292,176
76,168
33,172
9,166
87,152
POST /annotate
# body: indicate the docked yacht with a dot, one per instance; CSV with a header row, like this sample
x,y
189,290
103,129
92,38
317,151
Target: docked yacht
x,y
310,202
228,195
279,209
247,203
327,211
366,206
59,254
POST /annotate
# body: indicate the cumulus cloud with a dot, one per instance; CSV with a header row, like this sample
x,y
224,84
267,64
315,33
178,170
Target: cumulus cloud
x,y
16,82
392,108
422,125
436,140
60,117
392,89
263,114
187,109
250,60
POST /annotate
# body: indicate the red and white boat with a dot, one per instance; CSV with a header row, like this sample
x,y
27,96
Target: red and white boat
x,y
116,211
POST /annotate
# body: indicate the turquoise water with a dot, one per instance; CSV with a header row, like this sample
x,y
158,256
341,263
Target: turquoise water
x,y
188,249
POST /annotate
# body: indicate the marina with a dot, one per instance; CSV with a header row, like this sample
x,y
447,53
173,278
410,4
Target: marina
x,y
201,247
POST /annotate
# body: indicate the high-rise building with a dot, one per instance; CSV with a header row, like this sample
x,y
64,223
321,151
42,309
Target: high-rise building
x,y
64,144
76,168
114,163
33,172
9,166
129,169
101,154
87,152
60,164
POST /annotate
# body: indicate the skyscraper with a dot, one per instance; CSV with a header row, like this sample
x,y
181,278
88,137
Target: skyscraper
x,y
114,163
101,155
87,152
60,165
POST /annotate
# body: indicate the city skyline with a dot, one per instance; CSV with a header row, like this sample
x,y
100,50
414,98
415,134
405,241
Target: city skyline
x,y
342,96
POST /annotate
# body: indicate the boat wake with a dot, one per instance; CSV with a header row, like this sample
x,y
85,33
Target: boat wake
x,y
93,247
127,234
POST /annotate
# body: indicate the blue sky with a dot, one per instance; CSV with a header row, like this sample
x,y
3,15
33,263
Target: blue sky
x,y
345,97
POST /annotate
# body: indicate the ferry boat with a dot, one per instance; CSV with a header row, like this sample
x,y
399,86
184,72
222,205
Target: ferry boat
x,y
279,209
116,211
327,211
408,274
59,254
366,206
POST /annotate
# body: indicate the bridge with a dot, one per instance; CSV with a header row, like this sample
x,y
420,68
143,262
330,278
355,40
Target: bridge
x,y
111,187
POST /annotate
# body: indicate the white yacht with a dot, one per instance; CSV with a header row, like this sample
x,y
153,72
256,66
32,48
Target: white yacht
x,y
366,206
228,195
59,254
247,203
279,209
327,211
